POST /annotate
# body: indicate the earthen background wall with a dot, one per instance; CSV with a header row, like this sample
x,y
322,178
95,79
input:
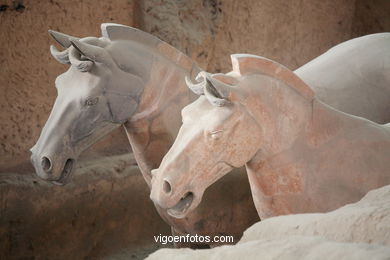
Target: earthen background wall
x,y
290,32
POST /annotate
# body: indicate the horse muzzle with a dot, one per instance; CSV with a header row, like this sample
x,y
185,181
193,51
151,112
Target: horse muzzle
x,y
52,168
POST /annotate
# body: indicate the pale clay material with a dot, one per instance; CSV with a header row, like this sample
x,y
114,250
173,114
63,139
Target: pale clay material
x,y
301,155
130,78
101,89
355,231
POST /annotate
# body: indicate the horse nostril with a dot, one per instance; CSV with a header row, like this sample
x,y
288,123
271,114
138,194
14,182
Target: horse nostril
x,y
167,187
46,164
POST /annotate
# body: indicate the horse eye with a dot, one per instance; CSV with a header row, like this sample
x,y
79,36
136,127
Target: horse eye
x,y
91,101
216,134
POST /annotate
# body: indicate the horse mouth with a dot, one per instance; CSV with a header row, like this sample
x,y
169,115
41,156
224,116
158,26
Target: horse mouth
x,y
66,172
181,208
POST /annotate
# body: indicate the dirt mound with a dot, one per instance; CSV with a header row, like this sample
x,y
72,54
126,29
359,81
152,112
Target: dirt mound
x,y
355,231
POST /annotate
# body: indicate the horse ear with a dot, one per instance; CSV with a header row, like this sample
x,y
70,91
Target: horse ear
x,y
93,53
197,88
60,56
222,83
217,92
63,39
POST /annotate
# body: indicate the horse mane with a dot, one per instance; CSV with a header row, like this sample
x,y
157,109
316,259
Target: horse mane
x,y
244,64
114,32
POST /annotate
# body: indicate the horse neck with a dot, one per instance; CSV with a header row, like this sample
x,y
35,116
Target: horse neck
x,y
152,130
281,112
324,124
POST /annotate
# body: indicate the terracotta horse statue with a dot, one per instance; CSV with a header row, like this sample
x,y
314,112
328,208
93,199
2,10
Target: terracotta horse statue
x,y
301,155
130,79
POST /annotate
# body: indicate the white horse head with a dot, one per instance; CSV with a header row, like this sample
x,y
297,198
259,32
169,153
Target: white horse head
x,y
97,94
